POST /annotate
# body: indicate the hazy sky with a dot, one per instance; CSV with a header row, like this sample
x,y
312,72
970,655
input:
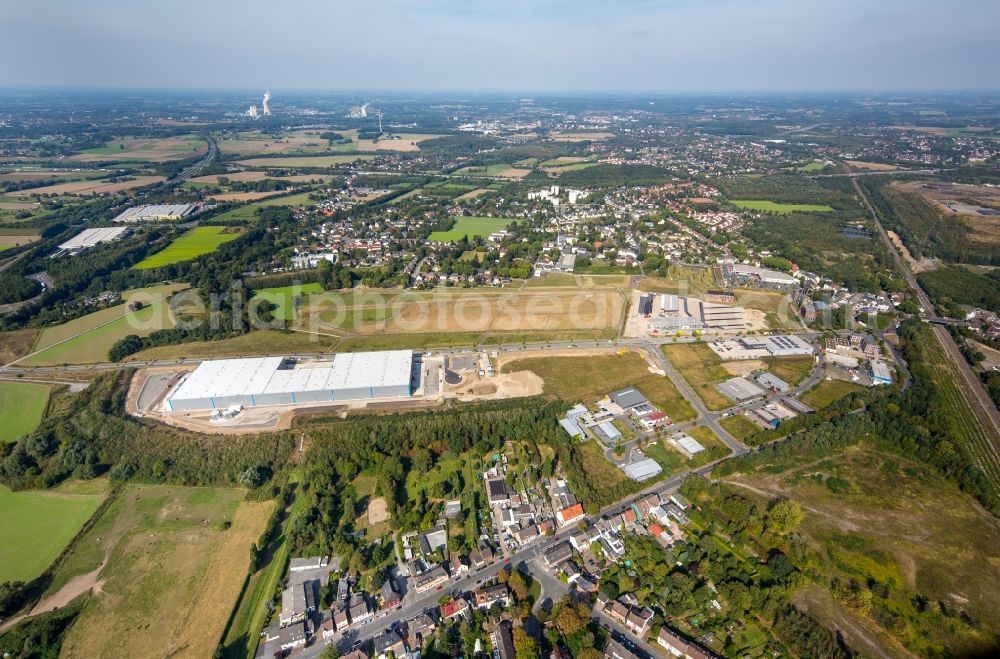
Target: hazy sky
x,y
502,45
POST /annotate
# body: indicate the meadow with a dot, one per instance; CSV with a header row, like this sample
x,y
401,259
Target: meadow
x,y
22,405
828,392
87,188
591,377
780,208
87,339
151,149
283,298
176,561
303,161
249,211
891,525
36,525
470,227
501,170
702,369
194,243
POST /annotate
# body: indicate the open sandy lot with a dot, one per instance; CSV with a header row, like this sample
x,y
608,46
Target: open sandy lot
x,y
580,137
90,187
467,311
243,196
378,511
472,194
871,166
744,367
14,206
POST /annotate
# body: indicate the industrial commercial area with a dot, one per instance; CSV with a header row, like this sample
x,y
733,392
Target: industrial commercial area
x,y
279,381
157,212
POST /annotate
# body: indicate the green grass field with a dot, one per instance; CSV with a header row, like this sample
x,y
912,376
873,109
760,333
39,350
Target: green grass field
x,y
283,297
86,340
740,427
814,166
792,370
782,209
22,405
303,161
828,392
702,369
194,243
249,211
36,526
471,227
591,378
488,170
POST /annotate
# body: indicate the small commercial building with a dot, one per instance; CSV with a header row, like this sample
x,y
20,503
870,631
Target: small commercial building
x,y
740,389
772,382
642,470
608,432
645,307
686,444
628,398
879,372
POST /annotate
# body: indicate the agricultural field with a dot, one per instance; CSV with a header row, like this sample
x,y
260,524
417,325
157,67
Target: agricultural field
x,y
702,369
828,392
780,208
174,561
22,405
148,149
36,526
258,144
470,227
303,161
87,339
16,237
252,344
500,171
191,245
457,310
88,188
591,377
249,211
16,343
568,136
251,176
883,520
399,142
284,297
814,166
472,194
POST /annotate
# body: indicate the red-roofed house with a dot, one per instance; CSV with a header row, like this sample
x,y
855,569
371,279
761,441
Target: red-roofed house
x,y
456,608
570,514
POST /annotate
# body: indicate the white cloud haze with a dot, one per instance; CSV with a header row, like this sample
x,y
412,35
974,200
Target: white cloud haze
x,y
504,45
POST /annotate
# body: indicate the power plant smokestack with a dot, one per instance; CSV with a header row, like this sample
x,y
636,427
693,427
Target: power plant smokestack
x,y
266,104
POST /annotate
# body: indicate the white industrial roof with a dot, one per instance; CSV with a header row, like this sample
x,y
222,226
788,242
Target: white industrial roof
x,y
264,375
688,443
91,237
643,469
155,212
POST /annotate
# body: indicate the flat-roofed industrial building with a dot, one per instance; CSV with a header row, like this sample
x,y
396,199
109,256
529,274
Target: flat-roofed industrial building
x,y
262,381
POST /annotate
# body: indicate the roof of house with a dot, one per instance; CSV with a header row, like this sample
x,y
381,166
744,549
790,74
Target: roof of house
x,y
453,608
572,512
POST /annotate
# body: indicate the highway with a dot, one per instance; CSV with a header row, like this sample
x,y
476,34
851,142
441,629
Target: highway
x,y
972,388
196,169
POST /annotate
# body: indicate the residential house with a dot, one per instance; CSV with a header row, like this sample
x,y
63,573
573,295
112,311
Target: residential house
x,y
388,641
498,491
292,636
639,620
570,514
490,595
341,619
455,608
419,629
615,650
503,641
429,579
390,596
678,647
558,554
359,610
297,603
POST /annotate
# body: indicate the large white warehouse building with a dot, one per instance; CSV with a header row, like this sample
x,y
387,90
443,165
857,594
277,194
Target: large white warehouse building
x,y
261,381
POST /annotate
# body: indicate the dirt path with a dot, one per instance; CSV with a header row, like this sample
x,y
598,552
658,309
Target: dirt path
x,y
75,587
